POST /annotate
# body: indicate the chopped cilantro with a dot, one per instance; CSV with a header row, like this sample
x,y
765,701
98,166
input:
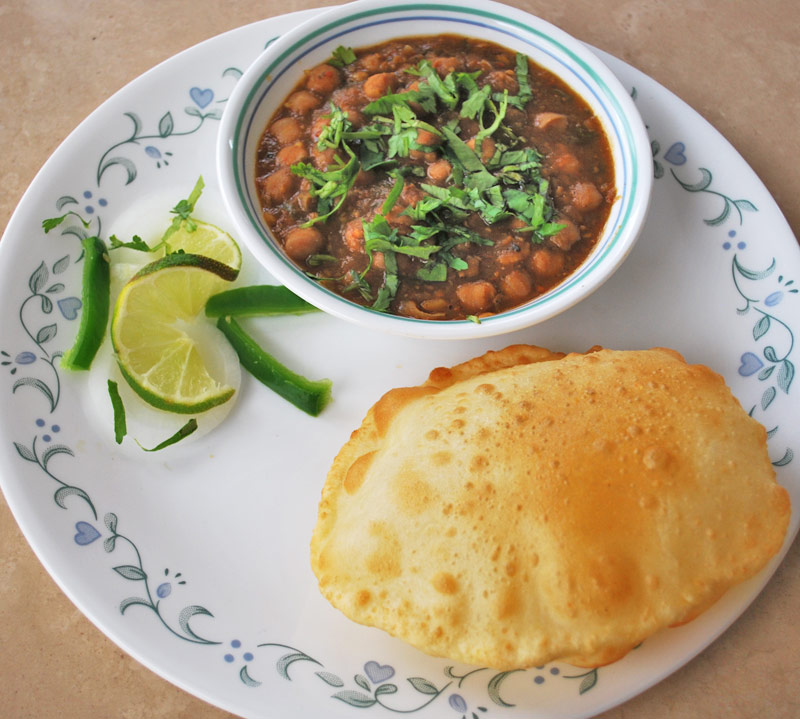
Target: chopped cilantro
x,y
53,222
506,184
135,243
342,56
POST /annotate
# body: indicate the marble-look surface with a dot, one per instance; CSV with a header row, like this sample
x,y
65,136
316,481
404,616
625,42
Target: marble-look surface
x,y
735,62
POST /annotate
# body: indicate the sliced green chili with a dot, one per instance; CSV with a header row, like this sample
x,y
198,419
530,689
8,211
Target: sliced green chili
x,y
257,301
307,395
95,299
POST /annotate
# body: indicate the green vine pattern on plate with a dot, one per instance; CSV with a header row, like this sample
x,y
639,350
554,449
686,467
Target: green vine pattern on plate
x,y
373,686
761,290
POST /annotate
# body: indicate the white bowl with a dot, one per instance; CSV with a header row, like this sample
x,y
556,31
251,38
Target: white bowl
x,y
264,86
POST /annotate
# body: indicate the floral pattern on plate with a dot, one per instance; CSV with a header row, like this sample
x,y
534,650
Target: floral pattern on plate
x,y
44,302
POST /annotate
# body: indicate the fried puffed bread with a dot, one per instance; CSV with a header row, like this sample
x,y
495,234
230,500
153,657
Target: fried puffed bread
x,y
527,506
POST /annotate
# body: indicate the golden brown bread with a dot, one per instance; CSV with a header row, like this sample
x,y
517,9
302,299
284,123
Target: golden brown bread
x,y
527,506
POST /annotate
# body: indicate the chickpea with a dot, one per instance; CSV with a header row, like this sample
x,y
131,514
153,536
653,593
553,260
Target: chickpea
x,y
355,117
445,65
286,130
488,147
565,163
323,79
586,196
566,237
378,85
372,63
292,154
409,308
306,201
516,285
439,171
415,106
322,158
301,242
302,102
479,64
434,304
427,138
318,126
354,235
279,186
547,263
411,194
476,296
473,267
550,120
503,80
396,218
510,257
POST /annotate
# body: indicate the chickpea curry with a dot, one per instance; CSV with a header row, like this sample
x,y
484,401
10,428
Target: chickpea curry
x,y
439,178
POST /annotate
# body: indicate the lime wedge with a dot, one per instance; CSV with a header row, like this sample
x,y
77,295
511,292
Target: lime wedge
x,y
162,340
207,240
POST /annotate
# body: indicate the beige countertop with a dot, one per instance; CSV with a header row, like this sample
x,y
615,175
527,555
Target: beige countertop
x,y
736,63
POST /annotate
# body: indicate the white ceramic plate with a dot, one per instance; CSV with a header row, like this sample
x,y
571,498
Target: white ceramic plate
x,y
195,560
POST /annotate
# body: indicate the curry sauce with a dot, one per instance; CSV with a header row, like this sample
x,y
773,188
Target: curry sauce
x,y
437,177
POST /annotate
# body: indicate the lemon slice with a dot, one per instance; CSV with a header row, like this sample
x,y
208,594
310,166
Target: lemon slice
x,y
207,240
161,338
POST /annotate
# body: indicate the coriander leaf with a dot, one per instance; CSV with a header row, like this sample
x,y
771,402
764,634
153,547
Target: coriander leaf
x,y
525,93
388,290
135,243
379,227
481,180
451,196
370,155
378,244
183,211
424,207
551,228
466,80
393,196
457,263
185,207
474,104
331,133
328,185
433,272
54,222
383,105
420,233
463,153
317,260
521,70
401,143
342,56
448,95
358,283
500,114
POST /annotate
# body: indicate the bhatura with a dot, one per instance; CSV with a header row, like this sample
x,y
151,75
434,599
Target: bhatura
x,y
528,506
